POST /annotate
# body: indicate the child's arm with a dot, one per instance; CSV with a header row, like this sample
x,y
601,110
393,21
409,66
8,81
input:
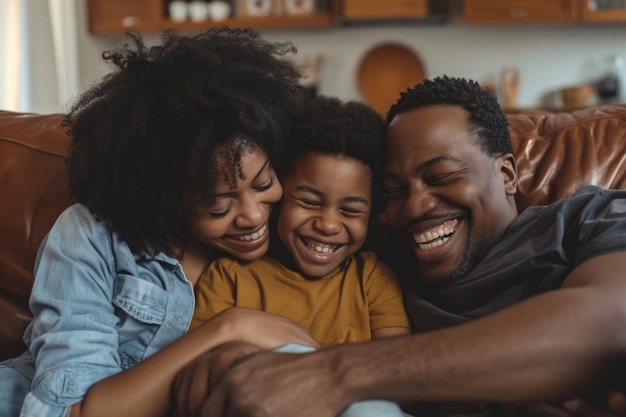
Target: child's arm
x,y
388,317
390,332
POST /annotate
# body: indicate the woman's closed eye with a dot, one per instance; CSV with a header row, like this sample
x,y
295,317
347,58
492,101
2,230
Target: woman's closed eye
x,y
215,211
269,183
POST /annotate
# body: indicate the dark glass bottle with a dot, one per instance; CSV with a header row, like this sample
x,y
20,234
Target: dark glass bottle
x,y
608,86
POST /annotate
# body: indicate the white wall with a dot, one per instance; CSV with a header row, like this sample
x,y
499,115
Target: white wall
x,y
549,56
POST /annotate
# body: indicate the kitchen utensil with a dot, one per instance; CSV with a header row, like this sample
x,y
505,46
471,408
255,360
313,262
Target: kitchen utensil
x,y
385,71
509,85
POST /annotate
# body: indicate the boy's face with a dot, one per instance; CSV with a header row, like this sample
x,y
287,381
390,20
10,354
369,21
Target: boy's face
x,y
325,211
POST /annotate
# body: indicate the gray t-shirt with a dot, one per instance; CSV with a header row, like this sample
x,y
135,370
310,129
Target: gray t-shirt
x,y
536,253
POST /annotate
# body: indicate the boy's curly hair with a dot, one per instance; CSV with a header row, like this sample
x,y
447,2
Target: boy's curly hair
x,y
490,125
153,127
330,126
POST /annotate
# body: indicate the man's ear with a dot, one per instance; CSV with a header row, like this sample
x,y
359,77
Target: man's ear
x,y
508,169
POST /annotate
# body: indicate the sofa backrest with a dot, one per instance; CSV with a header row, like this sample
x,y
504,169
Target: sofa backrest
x,y
557,153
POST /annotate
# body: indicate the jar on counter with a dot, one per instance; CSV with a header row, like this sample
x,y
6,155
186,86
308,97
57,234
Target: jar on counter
x,y
609,85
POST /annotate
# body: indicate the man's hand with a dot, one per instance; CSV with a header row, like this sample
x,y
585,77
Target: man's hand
x,y
273,384
196,381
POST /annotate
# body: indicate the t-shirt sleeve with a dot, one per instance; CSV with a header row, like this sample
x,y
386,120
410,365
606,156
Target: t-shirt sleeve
x,y
215,291
603,224
384,295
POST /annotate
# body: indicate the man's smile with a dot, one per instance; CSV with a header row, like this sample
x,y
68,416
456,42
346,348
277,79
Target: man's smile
x,y
435,236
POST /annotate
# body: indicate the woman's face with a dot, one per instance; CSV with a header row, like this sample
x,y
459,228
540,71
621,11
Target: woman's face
x,y
236,223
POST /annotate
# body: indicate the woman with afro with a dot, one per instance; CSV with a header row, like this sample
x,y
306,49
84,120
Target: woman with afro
x,y
171,166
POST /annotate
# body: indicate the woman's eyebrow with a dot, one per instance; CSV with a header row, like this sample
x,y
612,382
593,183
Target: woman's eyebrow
x,y
257,175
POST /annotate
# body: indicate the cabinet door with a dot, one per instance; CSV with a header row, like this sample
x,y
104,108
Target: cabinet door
x,y
377,9
523,11
116,16
603,10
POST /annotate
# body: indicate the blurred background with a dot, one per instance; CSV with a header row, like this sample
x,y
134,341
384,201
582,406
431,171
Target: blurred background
x,y
530,53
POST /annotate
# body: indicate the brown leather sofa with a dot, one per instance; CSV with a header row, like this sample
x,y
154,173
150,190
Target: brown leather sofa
x,y
556,152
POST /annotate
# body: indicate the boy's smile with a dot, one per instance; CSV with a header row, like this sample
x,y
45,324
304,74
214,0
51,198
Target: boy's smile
x,y
325,211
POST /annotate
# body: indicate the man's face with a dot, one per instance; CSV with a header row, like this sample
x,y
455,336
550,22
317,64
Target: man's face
x,y
446,197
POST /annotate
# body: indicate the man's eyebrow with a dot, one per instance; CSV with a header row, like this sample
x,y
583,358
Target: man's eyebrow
x,y
429,163
437,160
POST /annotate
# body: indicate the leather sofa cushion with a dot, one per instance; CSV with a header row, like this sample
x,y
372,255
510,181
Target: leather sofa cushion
x,y
558,153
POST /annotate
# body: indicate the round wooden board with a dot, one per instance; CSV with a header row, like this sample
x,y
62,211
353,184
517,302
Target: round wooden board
x,y
385,71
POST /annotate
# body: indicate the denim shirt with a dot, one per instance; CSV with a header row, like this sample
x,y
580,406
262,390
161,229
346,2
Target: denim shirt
x,y
98,309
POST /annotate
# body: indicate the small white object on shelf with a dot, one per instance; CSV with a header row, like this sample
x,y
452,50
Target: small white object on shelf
x,y
198,10
219,10
179,10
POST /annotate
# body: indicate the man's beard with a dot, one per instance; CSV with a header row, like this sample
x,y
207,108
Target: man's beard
x,y
468,261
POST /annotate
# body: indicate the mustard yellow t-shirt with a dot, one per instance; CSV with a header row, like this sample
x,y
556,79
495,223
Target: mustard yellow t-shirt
x,y
343,307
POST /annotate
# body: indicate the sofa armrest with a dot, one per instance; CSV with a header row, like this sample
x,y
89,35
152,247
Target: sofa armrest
x,y
33,180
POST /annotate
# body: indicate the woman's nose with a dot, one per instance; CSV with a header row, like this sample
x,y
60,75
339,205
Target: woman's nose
x,y
252,213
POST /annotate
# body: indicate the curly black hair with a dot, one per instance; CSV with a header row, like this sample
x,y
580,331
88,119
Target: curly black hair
x,y
330,126
153,127
485,116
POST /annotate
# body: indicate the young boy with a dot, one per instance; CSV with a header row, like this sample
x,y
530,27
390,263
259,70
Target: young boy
x,y
315,274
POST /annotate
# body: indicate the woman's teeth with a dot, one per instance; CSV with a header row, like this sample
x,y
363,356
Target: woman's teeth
x,y
253,236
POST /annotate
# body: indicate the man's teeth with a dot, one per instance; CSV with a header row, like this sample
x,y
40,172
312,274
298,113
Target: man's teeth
x,y
323,249
253,236
435,237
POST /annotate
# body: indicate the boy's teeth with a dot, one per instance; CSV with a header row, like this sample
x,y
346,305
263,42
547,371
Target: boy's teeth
x,y
253,236
324,249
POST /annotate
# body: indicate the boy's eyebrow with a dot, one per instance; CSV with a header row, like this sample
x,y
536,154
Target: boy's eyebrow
x,y
230,193
349,199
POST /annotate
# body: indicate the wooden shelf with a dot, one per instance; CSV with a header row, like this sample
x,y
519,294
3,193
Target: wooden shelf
x,y
520,11
271,22
540,11
591,12
117,16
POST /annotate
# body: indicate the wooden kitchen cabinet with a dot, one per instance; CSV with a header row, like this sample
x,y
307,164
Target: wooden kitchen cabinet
x,y
603,10
520,11
376,9
117,16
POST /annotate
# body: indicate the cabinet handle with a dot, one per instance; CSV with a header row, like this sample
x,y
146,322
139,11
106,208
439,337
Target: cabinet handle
x,y
518,13
130,21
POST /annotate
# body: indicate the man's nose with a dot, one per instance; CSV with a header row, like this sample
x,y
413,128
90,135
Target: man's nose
x,y
419,203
